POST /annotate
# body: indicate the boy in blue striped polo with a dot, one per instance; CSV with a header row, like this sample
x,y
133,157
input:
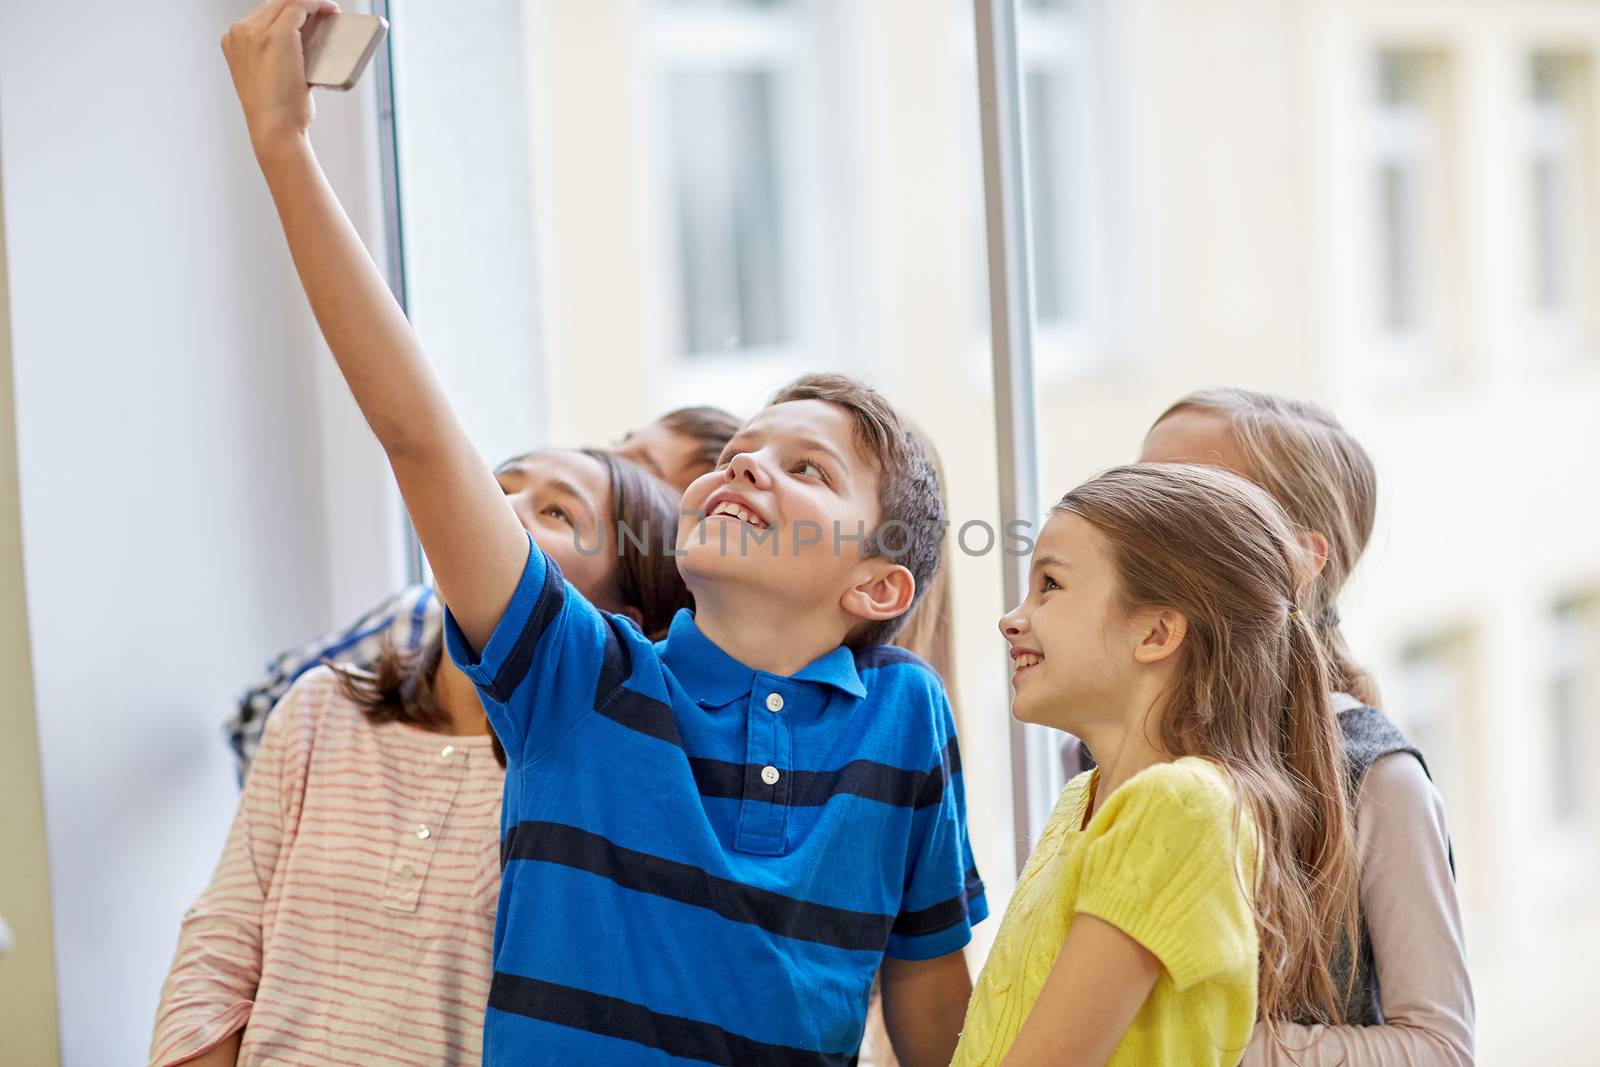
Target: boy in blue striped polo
x,y
711,844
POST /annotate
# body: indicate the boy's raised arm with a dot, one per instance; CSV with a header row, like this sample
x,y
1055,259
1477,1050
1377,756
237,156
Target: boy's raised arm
x,y
474,541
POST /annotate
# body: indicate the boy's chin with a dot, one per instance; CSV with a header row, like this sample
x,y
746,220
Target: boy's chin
x,y
758,570
712,560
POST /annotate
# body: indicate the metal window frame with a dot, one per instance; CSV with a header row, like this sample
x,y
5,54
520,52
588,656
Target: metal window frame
x,y
394,266
1012,362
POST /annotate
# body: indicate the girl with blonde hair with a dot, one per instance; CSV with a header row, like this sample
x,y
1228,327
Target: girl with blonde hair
x,y
1411,999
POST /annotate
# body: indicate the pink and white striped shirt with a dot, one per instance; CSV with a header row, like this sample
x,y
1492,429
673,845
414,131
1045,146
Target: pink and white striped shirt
x,y
351,919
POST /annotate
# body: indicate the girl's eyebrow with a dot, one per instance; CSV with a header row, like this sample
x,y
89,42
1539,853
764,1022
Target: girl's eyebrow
x,y
567,489
1048,560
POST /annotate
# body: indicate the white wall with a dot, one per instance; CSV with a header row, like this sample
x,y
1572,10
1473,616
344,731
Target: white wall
x,y
187,473
27,957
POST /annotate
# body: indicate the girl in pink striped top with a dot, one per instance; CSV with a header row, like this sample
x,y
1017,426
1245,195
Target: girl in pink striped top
x,y
351,918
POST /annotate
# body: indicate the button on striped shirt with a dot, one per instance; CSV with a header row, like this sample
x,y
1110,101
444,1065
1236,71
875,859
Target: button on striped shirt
x,y
351,917
666,897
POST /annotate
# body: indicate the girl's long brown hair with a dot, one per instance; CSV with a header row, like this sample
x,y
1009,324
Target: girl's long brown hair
x,y
1324,481
399,687
1252,695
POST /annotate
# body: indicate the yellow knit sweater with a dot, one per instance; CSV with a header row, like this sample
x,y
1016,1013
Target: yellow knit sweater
x,y
1161,862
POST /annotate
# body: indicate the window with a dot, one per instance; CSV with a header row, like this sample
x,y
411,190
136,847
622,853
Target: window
x,y
1558,178
1401,134
728,74
1431,696
1057,116
1574,641
1409,201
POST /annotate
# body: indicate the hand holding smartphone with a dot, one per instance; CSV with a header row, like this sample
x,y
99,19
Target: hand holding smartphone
x,y
338,48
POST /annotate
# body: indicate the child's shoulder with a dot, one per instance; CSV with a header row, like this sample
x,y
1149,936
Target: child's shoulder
x,y
316,702
1191,784
881,667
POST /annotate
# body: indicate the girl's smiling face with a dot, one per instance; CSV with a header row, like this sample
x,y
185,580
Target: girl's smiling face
x,y
564,500
1072,642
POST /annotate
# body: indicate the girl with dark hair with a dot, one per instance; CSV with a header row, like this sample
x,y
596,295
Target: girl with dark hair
x,y
352,915
678,447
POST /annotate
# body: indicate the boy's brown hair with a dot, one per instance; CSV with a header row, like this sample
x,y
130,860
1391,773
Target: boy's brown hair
x,y
909,494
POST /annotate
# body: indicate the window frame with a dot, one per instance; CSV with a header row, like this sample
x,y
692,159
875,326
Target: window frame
x,y
783,41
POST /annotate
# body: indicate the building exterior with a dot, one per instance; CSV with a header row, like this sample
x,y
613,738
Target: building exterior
x,y
1388,206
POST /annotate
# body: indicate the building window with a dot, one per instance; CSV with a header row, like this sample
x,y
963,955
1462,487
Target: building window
x,y
1431,695
1574,694
1410,208
1057,135
1558,198
1401,135
727,73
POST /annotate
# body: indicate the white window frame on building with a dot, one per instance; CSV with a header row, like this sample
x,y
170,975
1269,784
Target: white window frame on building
x,y
1060,108
1559,176
694,44
1431,689
1410,305
1574,705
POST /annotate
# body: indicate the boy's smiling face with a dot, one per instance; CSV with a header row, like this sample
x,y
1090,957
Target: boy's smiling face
x,y
793,476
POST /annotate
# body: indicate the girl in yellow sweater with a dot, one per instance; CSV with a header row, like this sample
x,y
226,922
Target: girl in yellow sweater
x,y
1201,876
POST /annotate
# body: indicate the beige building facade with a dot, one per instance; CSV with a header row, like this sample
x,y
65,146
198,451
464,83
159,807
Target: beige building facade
x,y
1391,207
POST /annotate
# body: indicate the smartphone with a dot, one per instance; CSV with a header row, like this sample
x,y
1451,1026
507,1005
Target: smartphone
x,y
338,48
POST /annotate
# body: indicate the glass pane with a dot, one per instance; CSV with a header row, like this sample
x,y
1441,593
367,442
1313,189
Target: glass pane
x,y
1545,78
1574,708
1398,227
1044,181
1402,129
1398,74
1430,685
1549,196
732,249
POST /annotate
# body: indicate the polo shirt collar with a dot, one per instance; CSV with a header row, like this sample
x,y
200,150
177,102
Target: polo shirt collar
x,y
713,678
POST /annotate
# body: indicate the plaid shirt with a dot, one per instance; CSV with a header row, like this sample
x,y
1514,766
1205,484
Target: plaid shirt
x,y
408,620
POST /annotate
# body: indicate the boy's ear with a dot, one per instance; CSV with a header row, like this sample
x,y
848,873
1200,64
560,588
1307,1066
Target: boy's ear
x,y
1161,633
885,592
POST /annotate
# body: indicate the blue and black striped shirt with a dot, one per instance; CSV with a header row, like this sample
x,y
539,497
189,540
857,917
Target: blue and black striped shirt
x,y
705,863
